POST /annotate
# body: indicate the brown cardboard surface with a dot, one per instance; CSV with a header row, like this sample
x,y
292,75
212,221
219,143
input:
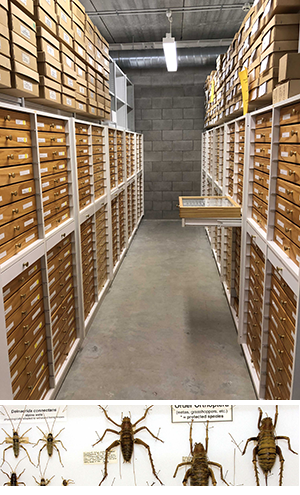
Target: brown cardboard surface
x,y
50,72
289,67
49,95
43,33
23,57
4,46
79,33
279,7
65,5
45,20
79,50
64,37
81,107
48,6
80,90
286,90
78,10
5,62
80,97
20,14
18,40
4,78
281,46
26,6
280,33
23,86
23,30
68,102
49,49
26,71
45,81
69,82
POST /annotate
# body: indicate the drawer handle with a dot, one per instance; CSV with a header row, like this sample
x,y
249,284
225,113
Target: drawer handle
x,y
280,351
15,210
52,125
22,295
9,137
294,133
288,230
14,193
13,175
25,265
293,153
282,336
279,369
289,211
17,227
52,139
29,373
294,111
286,248
7,117
282,319
54,153
27,342
27,358
289,192
18,245
292,172
283,302
30,387
24,313
10,156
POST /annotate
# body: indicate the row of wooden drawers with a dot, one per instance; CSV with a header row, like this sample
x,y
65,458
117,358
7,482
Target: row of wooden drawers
x,y
88,265
83,129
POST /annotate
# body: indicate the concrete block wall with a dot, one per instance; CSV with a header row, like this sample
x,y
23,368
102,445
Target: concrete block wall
x,y
169,111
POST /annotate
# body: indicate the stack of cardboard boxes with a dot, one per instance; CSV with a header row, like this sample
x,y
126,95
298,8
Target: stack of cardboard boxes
x,y
269,31
55,56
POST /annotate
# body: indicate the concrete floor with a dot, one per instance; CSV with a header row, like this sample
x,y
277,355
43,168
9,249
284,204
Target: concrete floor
x,y
164,330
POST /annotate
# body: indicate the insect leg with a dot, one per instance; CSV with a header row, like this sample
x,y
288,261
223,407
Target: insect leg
x,y
10,447
145,428
5,473
54,446
276,416
58,433
179,465
288,441
143,417
39,457
191,439
281,459
21,447
259,418
21,483
140,442
112,431
36,480
221,470
109,419
206,438
187,475
252,439
114,444
213,479
255,465
59,441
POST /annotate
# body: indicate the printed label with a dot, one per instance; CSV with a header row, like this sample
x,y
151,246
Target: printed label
x,y
2,236
8,310
284,154
29,222
21,140
35,314
48,22
28,86
281,206
42,140
262,89
43,155
69,62
48,227
281,189
70,82
30,238
25,32
45,184
50,50
279,240
27,205
64,17
67,38
81,89
285,134
25,58
283,172
35,331
53,73
53,95
69,101
61,153
20,122
8,347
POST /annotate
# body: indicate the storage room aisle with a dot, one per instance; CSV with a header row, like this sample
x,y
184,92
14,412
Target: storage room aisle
x,y
164,330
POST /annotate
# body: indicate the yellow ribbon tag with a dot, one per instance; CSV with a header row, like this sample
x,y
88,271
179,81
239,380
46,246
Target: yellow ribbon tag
x,y
243,75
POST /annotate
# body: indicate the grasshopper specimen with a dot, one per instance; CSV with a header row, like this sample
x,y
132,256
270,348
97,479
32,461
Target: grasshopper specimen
x,y
16,440
50,440
199,472
13,477
127,441
266,449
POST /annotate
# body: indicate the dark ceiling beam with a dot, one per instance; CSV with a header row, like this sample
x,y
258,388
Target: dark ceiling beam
x,y
174,10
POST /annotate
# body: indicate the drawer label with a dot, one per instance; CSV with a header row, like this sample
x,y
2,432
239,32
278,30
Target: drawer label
x,y
258,136
20,122
23,157
287,116
45,184
29,222
53,95
53,294
276,290
281,189
53,73
45,199
35,300
61,153
52,281
279,240
61,166
2,254
6,293
34,284
27,205
65,216
285,134
43,155
35,314
16,391
284,154
60,140
37,328
62,179
40,124
280,223
2,235
10,345
24,172
38,341
8,310
30,238
275,306
39,357
48,22
51,268
283,172
13,360
48,226
63,191
28,86
50,50
46,213
44,170
25,32
257,150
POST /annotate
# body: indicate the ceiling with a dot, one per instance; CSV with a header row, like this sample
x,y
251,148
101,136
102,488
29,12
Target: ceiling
x,y
145,21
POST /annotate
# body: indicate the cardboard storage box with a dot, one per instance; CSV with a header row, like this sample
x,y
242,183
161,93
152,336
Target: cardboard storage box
x,y
78,10
26,5
79,50
273,7
284,27
50,72
64,19
5,81
65,37
81,107
89,29
4,46
289,67
81,90
22,24
5,62
49,49
78,33
23,85
80,69
286,90
64,4
24,57
42,18
48,6
69,82
67,60
50,92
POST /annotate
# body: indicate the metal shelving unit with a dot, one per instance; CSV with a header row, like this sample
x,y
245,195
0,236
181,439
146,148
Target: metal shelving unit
x,y
277,264
86,232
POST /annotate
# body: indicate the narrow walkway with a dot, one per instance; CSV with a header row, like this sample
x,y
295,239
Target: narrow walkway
x,y
164,330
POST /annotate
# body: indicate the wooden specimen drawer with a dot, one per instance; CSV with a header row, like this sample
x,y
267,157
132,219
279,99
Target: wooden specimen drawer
x,y
288,190
57,219
56,207
14,138
83,172
85,192
282,283
279,349
53,153
290,134
291,230
82,151
22,353
261,192
289,153
261,178
14,120
290,249
290,114
285,335
289,172
278,374
11,175
84,182
54,194
97,131
98,150
50,125
15,192
13,247
62,250
273,391
82,162
260,206
264,120
82,140
17,227
96,140
51,139
263,150
53,167
57,180
98,159
263,135
15,156
22,279
81,128
288,209
41,388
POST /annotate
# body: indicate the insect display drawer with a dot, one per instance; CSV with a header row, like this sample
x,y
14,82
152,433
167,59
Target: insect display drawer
x,y
208,207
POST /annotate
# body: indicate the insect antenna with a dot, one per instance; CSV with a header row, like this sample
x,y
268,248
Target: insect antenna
x,y
47,422
44,472
17,464
9,418
51,431
21,419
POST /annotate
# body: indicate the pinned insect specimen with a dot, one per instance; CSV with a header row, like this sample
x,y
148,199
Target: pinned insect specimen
x,y
50,440
16,440
266,449
44,481
13,477
127,441
67,482
199,472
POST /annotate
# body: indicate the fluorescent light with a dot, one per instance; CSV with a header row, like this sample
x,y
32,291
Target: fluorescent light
x,y
169,45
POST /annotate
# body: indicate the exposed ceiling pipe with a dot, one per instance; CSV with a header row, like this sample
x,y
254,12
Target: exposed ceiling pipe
x,y
175,10
154,59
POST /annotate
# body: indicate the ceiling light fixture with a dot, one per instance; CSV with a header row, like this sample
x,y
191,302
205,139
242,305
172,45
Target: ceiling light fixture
x,y
169,46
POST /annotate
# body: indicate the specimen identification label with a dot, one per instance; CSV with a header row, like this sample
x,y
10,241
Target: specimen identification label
x,y
202,412
34,414
96,457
